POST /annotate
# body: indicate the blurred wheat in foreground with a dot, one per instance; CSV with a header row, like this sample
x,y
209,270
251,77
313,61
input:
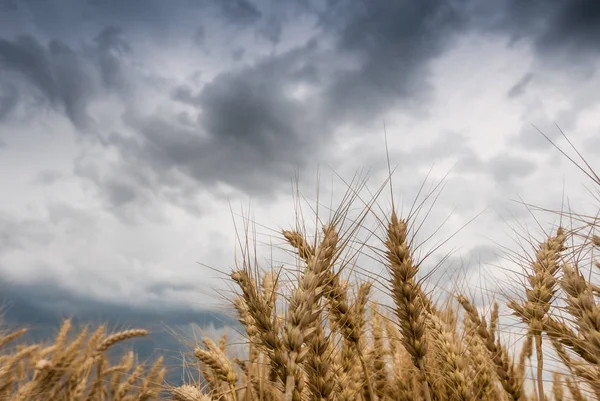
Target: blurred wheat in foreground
x,y
313,334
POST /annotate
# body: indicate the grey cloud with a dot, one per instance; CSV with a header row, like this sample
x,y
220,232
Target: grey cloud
x,y
161,16
48,177
520,87
8,5
565,119
185,94
250,133
162,289
147,174
161,20
65,221
593,143
56,71
200,36
446,145
272,29
484,254
244,128
251,110
110,38
457,265
469,163
239,11
119,194
530,138
9,97
60,213
249,124
393,43
56,302
564,35
568,25
131,187
17,233
238,54
42,308
505,167
559,29
155,19
111,48
68,79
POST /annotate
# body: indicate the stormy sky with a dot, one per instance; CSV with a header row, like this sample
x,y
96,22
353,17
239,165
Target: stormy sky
x,y
130,131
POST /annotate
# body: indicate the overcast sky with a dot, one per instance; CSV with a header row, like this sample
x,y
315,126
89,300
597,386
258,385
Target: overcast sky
x,y
127,129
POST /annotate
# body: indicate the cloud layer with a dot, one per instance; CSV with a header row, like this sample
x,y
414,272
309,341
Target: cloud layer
x,y
126,131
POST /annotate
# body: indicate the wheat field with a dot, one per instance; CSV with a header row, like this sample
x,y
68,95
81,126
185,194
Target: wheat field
x,y
313,333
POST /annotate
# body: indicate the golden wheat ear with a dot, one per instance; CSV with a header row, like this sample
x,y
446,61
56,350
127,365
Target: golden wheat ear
x,y
409,299
7,338
505,369
543,283
188,392
379,356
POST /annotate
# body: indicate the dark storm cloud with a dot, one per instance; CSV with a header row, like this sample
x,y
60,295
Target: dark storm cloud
x,y
50,302
42,309
55,70
111,48
393,43
68,79
120,194
566,32
8,5
567,27
155,18
239,11
9,97
47,58
250,133
251,109
272,29
141,13
238,54
200,36
565,38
